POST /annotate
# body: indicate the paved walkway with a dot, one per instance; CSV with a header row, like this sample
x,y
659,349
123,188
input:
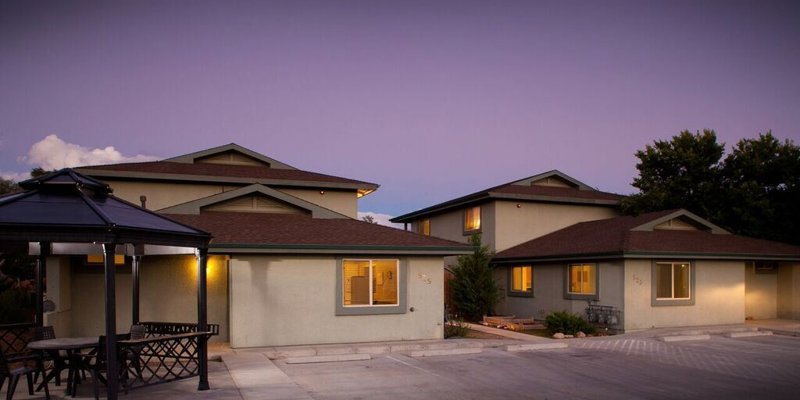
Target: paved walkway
x,y
252,373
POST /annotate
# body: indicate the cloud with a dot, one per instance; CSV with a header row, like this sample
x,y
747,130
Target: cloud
x,y
15,176
53,153
381,219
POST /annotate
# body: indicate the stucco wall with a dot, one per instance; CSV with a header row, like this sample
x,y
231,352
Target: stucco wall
x,y
289,300
450,226
789,290
59,290
761,294
343,202
549,288
162,195
719,296
531,220
167,293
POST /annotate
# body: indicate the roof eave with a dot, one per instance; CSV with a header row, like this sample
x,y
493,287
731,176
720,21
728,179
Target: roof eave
x,y
222,179
647,254
337,249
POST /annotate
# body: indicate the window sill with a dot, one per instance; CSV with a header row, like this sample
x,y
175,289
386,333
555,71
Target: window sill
x,y
580,296
367,310
512,293
671,303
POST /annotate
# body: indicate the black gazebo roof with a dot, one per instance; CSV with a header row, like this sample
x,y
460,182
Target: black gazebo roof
x,y
65,206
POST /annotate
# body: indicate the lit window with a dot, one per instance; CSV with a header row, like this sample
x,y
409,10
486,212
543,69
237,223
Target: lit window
x,y
370,283
672,281
425,227
472,219
582,279
521,278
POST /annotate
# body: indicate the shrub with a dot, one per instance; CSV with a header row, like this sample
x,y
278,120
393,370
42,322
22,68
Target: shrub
x,y
455,328
566,323
473,288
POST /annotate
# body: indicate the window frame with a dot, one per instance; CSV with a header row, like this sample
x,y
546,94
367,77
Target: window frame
x,y
466,230
370,309
568,294
519,293
666,301
422,224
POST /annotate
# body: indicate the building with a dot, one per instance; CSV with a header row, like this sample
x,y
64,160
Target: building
x,y
563,246
289,263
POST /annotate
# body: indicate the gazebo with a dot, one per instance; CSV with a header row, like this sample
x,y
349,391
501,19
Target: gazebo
x,y
66,207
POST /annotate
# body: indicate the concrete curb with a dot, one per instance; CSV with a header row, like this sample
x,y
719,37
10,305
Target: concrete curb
x,y
684,338
445,352
536,346
747,334
326,359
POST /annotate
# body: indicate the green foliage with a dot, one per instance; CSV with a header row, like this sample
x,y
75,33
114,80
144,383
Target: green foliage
x,y
680,173
8,186
753,191
455,328
473,288
566,323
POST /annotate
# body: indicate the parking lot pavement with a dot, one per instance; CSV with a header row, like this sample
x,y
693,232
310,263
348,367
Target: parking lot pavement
x,y
607,368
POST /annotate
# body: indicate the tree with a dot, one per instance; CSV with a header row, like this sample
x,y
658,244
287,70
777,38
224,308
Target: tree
x,y
680,173
761,183
8,186
753,191
473,288
369,218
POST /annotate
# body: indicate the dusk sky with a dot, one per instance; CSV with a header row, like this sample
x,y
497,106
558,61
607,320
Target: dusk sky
x,y
429,99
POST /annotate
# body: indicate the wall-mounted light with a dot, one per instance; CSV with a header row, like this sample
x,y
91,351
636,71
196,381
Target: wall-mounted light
x,y
322,192
519,205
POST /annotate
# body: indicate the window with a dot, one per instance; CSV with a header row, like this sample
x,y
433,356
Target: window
x,y
424,227
521,280
371,286
673,284
582,278
672,281
370,282
472,219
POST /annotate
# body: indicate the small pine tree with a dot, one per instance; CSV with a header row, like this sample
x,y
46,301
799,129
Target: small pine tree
x,y
473,288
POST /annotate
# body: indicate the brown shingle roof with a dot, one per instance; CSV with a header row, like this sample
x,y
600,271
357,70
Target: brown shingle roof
x,y
557,192
615,237
580,193
275,230
223,171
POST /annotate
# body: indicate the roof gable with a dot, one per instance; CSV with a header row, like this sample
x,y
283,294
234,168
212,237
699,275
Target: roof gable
x,y
262,199
680,220
554,178
230,154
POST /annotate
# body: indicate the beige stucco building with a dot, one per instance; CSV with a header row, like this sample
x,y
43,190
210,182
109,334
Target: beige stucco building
x,y
289,262
562,245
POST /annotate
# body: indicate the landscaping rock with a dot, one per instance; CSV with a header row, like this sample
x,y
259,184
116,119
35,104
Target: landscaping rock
x,y
581,334
558,335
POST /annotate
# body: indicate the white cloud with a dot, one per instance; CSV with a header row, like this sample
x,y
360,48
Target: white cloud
x,y
15,176
381,219
53,153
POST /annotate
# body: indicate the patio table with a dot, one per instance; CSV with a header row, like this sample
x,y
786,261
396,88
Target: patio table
x,y
69,345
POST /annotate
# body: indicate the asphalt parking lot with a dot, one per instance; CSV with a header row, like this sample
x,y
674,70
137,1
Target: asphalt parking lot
x,y
595,368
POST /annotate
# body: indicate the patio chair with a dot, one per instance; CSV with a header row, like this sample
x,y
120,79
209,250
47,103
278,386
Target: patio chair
x,y
133,353
13,370
97,367
59,364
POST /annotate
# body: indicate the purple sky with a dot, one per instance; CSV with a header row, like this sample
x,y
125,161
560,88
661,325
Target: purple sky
x,y
430,99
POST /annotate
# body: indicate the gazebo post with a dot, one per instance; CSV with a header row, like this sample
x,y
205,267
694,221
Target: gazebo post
x,y
41,266
137,259
112,376
202,317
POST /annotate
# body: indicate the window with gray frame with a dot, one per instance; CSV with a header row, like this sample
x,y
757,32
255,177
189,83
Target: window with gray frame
x,y
673,283
371,286
582,281
520,281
